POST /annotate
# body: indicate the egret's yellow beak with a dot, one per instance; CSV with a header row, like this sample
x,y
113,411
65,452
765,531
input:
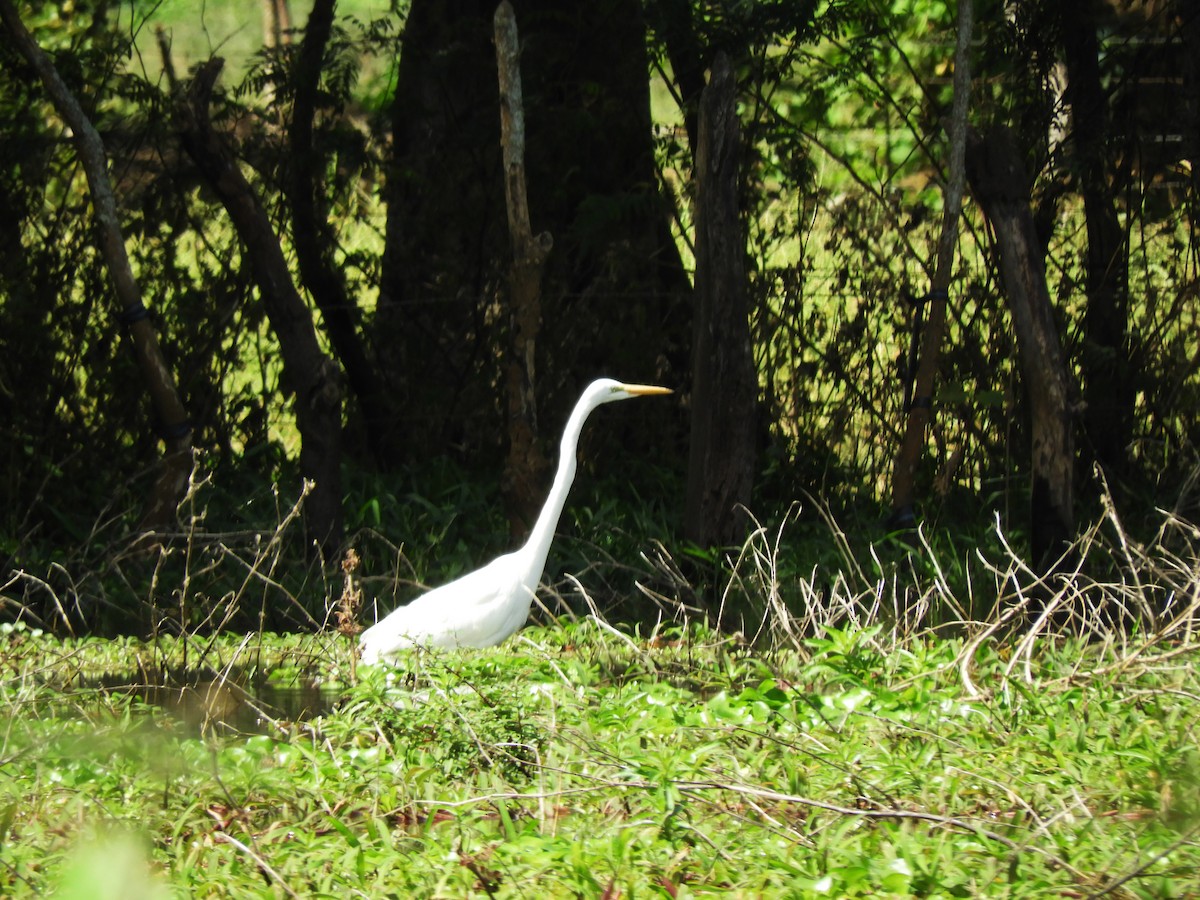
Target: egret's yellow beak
x,y
646,389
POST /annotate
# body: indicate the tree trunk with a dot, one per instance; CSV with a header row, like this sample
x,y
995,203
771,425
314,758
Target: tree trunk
x,y
315,241
724,383
1001,185
1107,371
308,373
526,464
442,191
277,23
920,411
613,291
173,424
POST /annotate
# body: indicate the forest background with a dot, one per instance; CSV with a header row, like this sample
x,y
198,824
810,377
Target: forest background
x,y
320,284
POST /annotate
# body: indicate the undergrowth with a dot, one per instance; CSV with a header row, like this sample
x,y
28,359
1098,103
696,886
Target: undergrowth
x,y
891,721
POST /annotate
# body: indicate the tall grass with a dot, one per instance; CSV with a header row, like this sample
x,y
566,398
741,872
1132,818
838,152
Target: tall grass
x,y
890,720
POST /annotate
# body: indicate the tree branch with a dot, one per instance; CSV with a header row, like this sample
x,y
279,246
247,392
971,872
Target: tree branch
x,y
173,424
920,412
315,240
307,371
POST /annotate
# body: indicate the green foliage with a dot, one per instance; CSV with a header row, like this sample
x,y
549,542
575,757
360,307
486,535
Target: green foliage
x,y
580,762
78,434
842,108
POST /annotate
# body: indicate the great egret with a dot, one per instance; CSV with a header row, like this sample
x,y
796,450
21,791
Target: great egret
x,y
484,607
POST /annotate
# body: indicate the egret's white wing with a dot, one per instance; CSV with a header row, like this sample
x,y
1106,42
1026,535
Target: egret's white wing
x,y
479,609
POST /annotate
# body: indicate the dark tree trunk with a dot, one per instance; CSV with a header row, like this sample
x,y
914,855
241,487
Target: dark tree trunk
x,y
311,376
526,464
315,240
1001,185
444,196
724,382
1107,371
612,293
173,422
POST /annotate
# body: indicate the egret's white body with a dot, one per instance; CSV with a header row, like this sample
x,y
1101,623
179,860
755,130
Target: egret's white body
x,y
484,607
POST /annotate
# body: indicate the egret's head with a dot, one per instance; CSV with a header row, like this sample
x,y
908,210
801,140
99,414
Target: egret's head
x,y
606,390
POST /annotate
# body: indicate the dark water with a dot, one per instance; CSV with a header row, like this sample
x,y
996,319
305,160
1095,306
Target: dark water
x,y
215,706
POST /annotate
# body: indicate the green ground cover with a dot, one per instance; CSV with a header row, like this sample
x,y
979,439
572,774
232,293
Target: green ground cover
x,y
577,760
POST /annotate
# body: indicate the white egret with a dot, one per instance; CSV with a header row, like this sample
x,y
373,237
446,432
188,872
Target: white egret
x,y
484,607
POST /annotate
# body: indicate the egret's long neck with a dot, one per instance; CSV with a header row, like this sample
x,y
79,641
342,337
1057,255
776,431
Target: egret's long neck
x,y
547,520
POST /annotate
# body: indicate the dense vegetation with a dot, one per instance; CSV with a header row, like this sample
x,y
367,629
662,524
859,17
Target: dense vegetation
x,y
578,761
268,370
385,213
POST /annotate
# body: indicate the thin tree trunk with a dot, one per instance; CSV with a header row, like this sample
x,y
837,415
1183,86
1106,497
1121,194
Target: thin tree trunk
x,y
1000,183
724,382
673,20
1189,30
315,240
526,463
277,23
920,410
308,373
1108,387
173,424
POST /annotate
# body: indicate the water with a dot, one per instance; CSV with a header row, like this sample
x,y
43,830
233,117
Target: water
x,y
229,705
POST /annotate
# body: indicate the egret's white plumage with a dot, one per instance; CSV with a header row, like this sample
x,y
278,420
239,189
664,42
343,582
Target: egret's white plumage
x,y
484,607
